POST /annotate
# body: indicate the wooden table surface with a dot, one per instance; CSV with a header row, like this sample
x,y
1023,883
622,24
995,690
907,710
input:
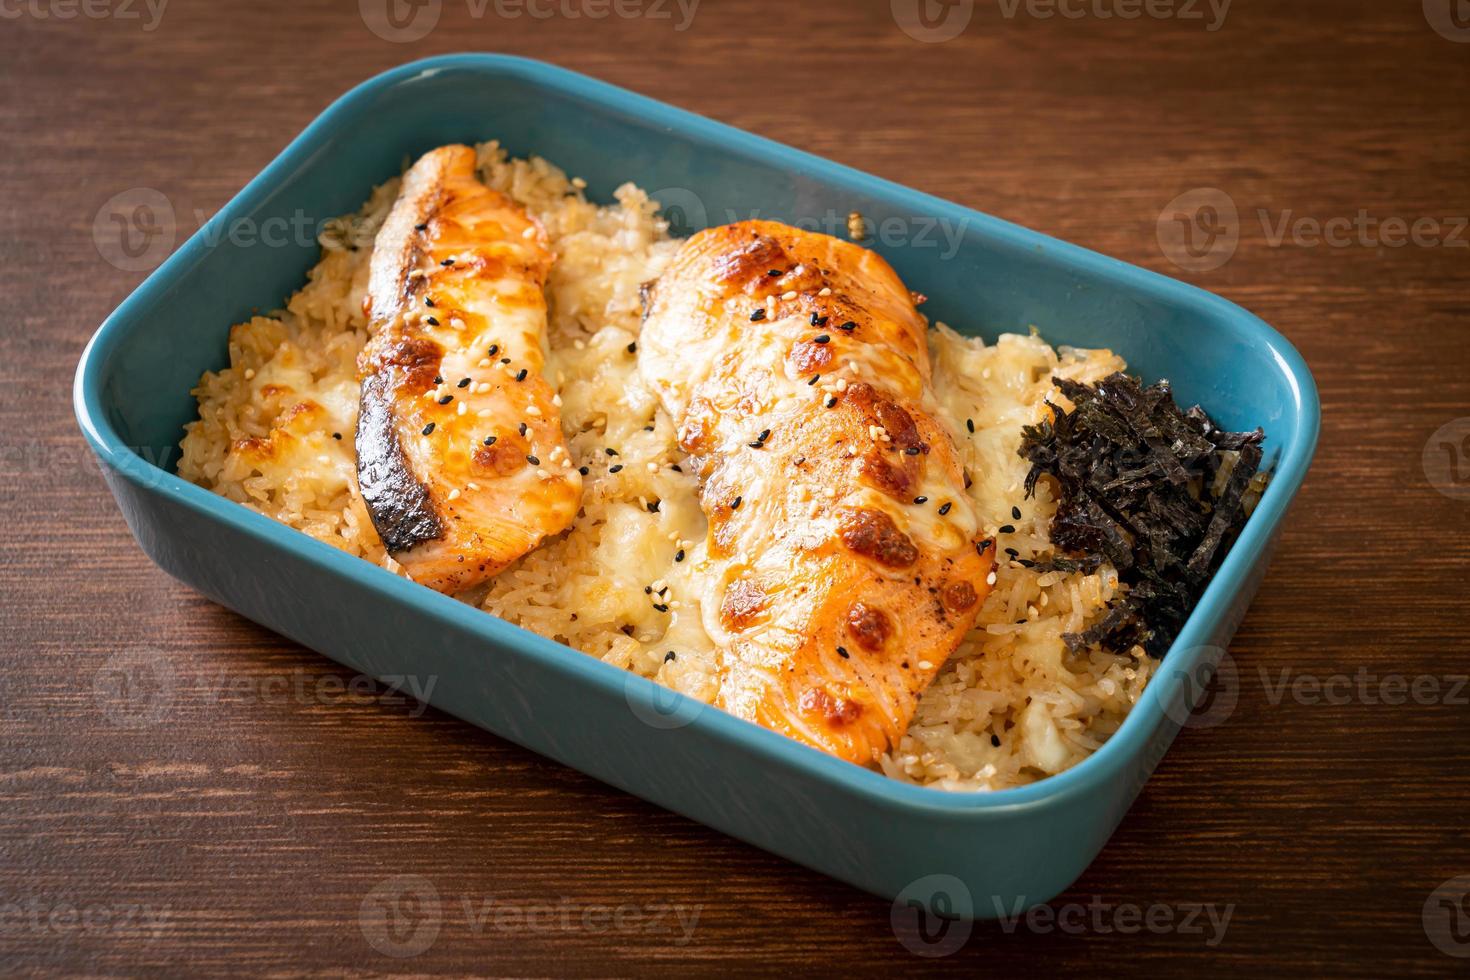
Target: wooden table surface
x,y
247,828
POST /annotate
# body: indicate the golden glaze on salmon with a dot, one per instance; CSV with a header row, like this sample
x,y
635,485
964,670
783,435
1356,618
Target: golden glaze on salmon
x,y
844,566
461,458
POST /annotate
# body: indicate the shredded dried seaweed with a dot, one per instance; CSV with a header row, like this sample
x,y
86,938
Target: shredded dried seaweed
x,y
1157,492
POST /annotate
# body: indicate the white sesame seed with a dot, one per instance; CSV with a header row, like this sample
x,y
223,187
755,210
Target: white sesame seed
x,y
925,665
473,485
990,579
461,409
826,291
789,294
454,494
484,362
533,411
543,474
249,374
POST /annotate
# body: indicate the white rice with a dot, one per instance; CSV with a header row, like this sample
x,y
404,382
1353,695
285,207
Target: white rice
x,y
1011,706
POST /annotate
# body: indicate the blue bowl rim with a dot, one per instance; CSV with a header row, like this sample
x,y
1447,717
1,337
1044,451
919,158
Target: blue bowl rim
x,y
1104,764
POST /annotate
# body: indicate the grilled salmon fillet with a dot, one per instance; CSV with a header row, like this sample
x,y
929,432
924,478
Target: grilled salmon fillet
x,y
461,459
843,563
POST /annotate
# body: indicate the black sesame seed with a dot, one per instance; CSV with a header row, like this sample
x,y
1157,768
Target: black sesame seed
x,y
821,339
429,301
1026,562
433,321
1016,513
676,467
583,470
438,379
912,450
995,740
610,451
633,347
842,652
1007,529
832,401
670,656
446,399
774,272
983,546
849,325
523,428
921,499
944,508
679,555
764,435
421,227
970,424
653,506
648,590
819,320
447,262
429,429
533,460
521,374
758,315
463,383
337,436
661,607
494,349
814,379
615,468
1013,552
490,440
735,504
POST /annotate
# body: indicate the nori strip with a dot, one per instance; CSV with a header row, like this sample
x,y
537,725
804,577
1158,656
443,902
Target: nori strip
x,y
1137,482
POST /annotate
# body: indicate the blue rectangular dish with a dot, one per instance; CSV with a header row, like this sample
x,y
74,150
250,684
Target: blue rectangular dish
x,y
962,854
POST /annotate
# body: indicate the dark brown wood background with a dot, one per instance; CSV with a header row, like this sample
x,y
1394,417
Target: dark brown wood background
x,y
256,820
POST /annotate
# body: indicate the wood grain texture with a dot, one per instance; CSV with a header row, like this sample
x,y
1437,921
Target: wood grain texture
x,y
263,804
